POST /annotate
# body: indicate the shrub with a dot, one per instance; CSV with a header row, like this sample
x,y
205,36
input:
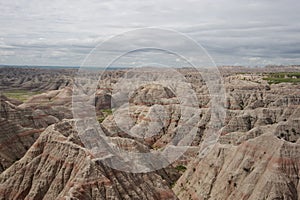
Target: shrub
x,y
180,168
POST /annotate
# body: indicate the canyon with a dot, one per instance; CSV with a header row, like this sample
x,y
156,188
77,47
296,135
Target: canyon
x,y
254,154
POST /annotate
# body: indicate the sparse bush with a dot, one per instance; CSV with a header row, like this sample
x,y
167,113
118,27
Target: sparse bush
x,y
106,112
180,168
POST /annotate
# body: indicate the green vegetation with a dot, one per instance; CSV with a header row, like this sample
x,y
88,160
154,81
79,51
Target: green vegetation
x,y
180,168
100,119
21,95
105,112
173,184
283,77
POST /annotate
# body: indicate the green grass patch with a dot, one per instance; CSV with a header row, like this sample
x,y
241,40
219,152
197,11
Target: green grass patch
x,y
283,77
21,95
106,112
100,119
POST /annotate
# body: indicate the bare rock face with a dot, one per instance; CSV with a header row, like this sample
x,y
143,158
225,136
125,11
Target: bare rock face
x,y
20,127
151,94
58,167
35,79
102,99
263,168
51,98
257,156
15,140
289,131
154,114
56,103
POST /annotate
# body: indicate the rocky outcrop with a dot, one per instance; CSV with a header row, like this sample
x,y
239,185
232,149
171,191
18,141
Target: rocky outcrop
x,y
256,157
20,127
35,79
55,103
61,97
58,167
15,140
153,117
263,168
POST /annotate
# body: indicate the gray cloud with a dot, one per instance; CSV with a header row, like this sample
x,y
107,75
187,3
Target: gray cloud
x,y
63,32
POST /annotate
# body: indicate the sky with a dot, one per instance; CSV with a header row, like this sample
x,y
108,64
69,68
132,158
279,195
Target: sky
x,y
233,32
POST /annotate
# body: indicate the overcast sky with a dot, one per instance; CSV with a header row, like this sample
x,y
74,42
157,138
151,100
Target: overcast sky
x,y
234,32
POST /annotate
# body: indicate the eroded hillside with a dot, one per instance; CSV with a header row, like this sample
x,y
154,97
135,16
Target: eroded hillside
x,y
256,156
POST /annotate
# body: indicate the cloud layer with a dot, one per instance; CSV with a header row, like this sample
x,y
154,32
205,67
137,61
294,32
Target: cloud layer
x,y
63,32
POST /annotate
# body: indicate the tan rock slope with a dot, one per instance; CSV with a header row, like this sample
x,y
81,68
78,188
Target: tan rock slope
x,y
35,79
19,129
262,168
58,167
256,157
258,153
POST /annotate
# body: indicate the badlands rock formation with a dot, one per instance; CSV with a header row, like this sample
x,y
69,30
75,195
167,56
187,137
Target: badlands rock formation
x,y
256,157
19,129
35,79
258,152
58,167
